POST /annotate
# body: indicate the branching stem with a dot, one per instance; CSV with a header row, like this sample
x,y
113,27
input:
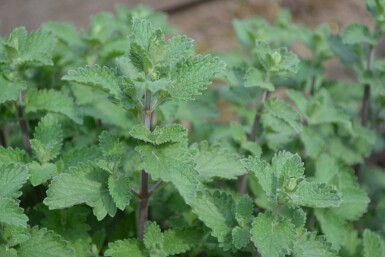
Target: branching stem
x,y
23,124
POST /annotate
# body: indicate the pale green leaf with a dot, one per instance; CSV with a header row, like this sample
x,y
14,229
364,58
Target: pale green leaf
x,y
374,245
12,178
241,237
10,155
45,243
119,187
97,76
192,75
66,32
9,91
48,139
7,252
316,195
172,133
255,78
215,161
326,168
14,235
357,33
272,236
176,48
313,142
11,213
244,210
110,145
170,163
333,227
40,173
311,245
128,247
52,101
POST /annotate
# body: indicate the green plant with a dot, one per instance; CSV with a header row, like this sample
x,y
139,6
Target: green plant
x,y
109,146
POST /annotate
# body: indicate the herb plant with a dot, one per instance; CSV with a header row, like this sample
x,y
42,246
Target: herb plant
x,y
112,141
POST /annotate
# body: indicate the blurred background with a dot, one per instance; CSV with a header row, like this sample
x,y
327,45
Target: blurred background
x,y
209,22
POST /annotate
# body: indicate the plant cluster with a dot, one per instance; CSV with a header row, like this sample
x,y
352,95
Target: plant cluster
x,y
110,144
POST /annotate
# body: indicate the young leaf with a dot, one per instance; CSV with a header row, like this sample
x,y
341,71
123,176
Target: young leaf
x,y
118,186
128,247
40,173
192,75
48,139
240,237
273,237
176,48
374,245
44,243
96,76
309,244
244,210
52,101
172,133
215,161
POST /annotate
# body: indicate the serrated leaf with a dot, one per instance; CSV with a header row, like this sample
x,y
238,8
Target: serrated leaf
x,y
96,76
7,252
357,34
311,245
119,188
374,245
325,168
273,237
52,101
66,32
169,242
110,145
176,48
14,235
216,211
192,75
241,237
80,155
34,48
9,91
283,112
215,161
172,133
44,243
11,213
48,139
170,163
316,195
84,184
40,173
296,215
12,178
10,155
128,247
332,226
313,142
255,78
244,210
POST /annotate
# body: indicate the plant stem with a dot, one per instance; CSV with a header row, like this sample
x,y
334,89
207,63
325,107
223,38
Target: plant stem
x,y
143,191
3,140
253,138
366,97
23,125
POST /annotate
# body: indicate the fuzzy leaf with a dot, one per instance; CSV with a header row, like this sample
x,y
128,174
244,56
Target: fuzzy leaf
x,y
176,48
313,142
316,195
311,245
215,161
96,76
332,226
119,187
357,34
244,210
241,237
66,32
128,247
192,75
9,155
255,78
52,101
374,245
11,213
40,173
170,163
273,237
44,243
48,139
9,91
84,184
172,133
12,178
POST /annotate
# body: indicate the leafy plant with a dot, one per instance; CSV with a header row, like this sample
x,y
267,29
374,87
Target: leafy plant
x,y
112,143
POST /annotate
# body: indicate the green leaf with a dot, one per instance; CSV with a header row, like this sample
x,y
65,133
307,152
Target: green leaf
x,y
358,33
52,101
9,155
313,142
244,210
119,187
241,237
112,150
216,211
215,161
334,228
31,49
374,245
12,178
283,112
96,76
14,235
309,244
255,78
273,237
192,75
48,139
44,243
7,252
325,168
66,32
40,173
172,133
176,48
9,91
169,242
84,184
128,247
11,213
315,195
170,163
